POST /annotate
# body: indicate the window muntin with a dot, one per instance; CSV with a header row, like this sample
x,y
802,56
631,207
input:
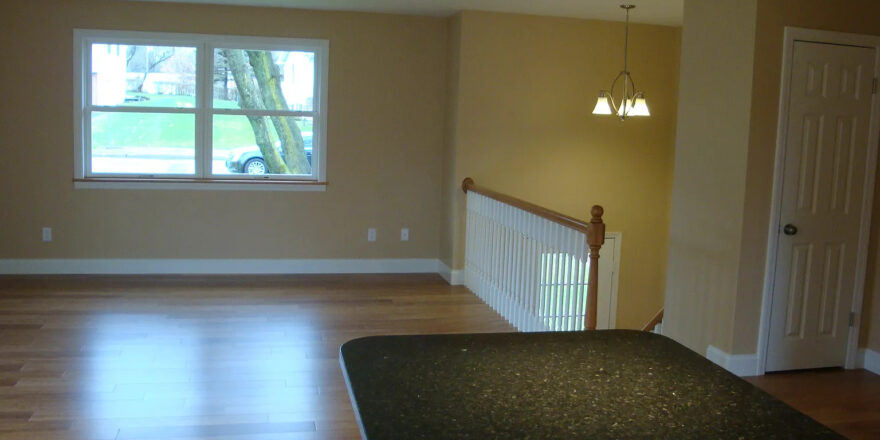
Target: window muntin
x,y
151,109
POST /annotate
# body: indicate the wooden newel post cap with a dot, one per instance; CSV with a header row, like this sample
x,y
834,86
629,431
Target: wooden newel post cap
x,y
466,183
597,212
596,229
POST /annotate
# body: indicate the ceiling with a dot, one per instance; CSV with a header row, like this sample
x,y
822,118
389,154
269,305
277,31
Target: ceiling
x,y
665,12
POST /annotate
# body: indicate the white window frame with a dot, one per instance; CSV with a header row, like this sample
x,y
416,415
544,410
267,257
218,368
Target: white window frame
x,y
204,111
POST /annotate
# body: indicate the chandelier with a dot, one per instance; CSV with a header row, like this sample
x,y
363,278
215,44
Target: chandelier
x,y
632,101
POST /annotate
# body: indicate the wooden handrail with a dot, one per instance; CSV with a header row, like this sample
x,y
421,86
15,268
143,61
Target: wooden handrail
x,y
657,319
468,185
594,231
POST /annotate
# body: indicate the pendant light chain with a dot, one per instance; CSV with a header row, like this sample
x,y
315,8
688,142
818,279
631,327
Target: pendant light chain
x,y
625,102
626,42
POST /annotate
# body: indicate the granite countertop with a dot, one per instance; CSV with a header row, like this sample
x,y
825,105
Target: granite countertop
x,y
608,384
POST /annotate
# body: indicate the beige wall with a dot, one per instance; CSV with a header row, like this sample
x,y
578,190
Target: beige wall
x,y
523,126
856,16
710,161
449,199
387,100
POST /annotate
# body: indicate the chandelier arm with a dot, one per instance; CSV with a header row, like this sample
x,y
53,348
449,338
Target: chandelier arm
x,y
626,78
613,105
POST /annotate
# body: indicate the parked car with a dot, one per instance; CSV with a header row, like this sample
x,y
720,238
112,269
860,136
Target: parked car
x,y
249,159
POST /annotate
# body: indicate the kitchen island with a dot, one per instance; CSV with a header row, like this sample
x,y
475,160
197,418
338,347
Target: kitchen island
x,y
608,384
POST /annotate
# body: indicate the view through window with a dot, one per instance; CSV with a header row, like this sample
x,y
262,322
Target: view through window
x,y
176,106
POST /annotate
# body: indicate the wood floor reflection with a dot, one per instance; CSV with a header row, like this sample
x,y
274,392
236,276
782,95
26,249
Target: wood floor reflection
x,y
847,401
203,357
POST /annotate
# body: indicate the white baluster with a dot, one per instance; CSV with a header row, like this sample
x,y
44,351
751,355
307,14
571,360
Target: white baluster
x,y
566,289
547,281
521,270
530,291
573,288
574,236
584,273
508,253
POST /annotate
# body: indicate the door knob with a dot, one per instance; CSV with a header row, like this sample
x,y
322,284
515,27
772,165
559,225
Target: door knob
x,y
789,229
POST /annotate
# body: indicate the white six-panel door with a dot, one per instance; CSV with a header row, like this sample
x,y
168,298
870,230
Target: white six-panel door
x,y
824,170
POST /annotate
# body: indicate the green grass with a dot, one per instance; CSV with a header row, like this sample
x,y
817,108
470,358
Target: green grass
x,y
115,130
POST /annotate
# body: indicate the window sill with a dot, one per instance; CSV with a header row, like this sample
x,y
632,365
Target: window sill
x,y
199,184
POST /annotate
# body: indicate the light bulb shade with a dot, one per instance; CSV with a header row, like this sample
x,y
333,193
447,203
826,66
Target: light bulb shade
x,y
602,107
640,107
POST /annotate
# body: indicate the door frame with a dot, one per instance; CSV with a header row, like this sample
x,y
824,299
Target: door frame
x,y
793,34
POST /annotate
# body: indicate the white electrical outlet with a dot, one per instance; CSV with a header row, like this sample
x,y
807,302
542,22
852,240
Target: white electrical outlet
x,y
404,234
47,234
371,234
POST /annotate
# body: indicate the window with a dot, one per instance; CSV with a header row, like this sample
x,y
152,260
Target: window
x,y
156,109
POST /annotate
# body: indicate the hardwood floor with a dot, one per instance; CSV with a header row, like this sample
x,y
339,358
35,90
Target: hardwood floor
x,y
233,358
847,401
203,358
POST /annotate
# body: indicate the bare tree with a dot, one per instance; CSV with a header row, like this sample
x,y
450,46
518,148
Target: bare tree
x,y
152,58
269,79
249,97
267,95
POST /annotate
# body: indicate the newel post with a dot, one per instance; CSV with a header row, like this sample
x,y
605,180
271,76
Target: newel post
x,y
466,184
595,240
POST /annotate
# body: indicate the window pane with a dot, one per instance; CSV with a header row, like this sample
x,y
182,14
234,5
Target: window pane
x,y
153,76
237,150
143,143
244,79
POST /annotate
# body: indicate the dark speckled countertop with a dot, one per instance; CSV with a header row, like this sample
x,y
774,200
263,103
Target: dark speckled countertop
x,y
612,384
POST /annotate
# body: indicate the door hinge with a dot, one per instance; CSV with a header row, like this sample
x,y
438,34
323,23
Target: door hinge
x,y
852,319
874,87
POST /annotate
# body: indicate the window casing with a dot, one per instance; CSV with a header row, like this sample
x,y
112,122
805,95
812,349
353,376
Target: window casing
x,y
169,110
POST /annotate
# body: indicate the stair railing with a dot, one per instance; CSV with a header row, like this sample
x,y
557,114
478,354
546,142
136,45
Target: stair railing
x,y
536,267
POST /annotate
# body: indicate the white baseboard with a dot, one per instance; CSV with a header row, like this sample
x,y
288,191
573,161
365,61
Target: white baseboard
x,y
738,364
457,277
869,360
214,266
453,277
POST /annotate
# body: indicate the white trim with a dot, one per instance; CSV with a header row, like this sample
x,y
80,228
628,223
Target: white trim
x,y
869,360
453,277
203,111
207,185
79,94
204,119
616,239
319,137
214,266
799,34
457,277
738,364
